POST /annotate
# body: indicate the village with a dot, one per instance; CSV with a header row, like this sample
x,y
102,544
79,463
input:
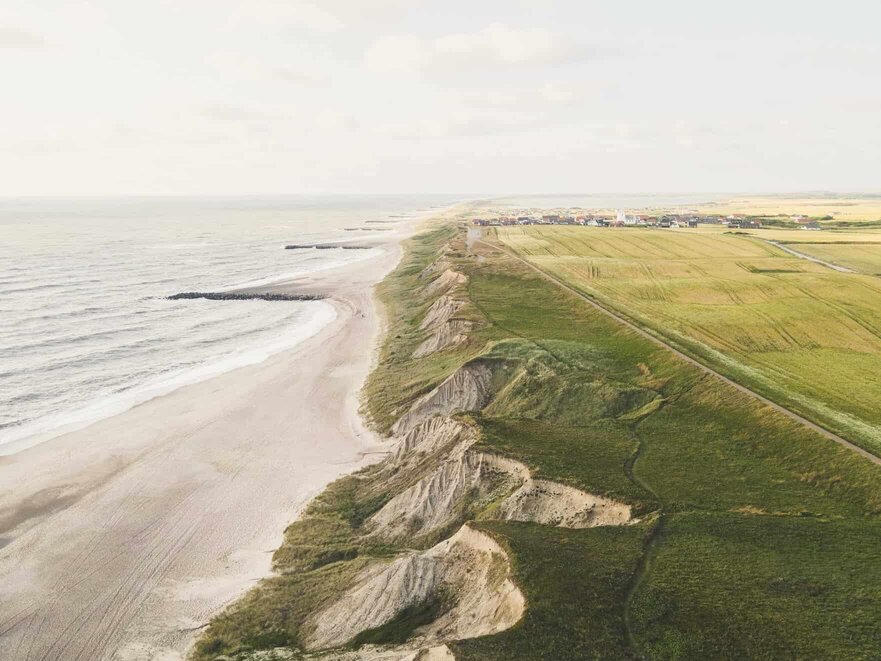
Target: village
x,y
621,218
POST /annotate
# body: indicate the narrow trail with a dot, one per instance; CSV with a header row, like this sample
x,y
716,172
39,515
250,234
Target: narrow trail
x,y
816,260
701,366
649,549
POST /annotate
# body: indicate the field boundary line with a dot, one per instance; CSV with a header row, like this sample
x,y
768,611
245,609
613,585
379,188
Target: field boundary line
x,y
692,361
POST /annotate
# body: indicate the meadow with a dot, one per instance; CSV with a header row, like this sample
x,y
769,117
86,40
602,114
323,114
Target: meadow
x,y
754,533
798,332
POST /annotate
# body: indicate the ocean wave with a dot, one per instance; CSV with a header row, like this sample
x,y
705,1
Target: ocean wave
x,y
323,264
17,437
33,288
72,339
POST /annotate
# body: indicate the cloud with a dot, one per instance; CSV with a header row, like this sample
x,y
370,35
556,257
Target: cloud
x,y
305,69
547,95
497,45
11,37
325,16
299,76
326,121
559,94
229,113
287,12
465,123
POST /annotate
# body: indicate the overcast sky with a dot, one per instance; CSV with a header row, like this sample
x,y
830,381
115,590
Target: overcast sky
x,y
483,96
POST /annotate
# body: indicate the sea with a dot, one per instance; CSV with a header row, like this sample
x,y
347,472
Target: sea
x,y
87,329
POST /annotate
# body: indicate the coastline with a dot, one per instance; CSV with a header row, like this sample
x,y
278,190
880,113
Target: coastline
x,y
158,517
511,406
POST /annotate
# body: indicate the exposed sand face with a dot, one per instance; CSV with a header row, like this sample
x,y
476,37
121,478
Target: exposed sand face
x,y
120,540
469,565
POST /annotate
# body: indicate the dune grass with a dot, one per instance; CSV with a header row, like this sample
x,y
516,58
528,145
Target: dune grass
x,y
803,589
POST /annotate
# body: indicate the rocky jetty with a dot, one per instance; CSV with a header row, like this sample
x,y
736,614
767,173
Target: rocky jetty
x,y
242,296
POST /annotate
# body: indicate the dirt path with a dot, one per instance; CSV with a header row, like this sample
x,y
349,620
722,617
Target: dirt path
x,y
709,370
816,260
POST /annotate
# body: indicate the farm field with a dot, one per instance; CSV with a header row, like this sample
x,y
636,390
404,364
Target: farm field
x,y
794,236
842,209
798,332
861,257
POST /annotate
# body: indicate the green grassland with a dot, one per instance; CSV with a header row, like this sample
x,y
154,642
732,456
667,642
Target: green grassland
x,y
800,333
756,537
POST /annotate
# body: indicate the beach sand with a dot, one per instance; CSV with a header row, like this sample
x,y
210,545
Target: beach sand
x,y
121,540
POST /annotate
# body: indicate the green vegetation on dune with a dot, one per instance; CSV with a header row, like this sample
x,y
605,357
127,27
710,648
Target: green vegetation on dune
x,y
588,457
741,586
576,584
755,539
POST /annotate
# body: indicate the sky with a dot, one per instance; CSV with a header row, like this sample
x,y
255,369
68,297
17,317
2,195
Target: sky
x,y
119,97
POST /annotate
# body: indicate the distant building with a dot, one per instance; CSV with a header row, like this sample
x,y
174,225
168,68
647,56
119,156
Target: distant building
x,y
812,225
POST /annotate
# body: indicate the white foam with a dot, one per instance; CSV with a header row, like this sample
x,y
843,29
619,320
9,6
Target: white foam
x,y
324,265
15,439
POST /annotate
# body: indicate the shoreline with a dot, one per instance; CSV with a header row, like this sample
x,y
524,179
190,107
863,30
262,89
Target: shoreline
x,y
42,430
122,539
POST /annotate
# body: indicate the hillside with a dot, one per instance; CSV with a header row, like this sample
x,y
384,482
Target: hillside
x,y
559,487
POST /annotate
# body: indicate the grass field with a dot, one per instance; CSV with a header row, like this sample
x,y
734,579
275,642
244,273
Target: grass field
x,y
798,332
861,257
842,209
794,236
756,536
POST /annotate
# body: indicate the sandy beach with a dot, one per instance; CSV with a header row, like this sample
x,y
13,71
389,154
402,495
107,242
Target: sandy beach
x,y
121,540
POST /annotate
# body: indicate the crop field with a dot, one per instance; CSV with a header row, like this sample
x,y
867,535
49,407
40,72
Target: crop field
x,y
795,236
842,209
798,332
861,257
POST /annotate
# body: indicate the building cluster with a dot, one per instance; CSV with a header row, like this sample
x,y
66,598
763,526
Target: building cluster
x,y
619,219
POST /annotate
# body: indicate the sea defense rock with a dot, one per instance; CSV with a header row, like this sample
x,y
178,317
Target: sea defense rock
x,y
325,246
242,296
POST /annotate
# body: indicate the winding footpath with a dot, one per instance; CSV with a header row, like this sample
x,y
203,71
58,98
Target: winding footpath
x,y
701,366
